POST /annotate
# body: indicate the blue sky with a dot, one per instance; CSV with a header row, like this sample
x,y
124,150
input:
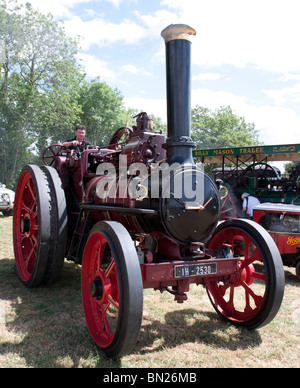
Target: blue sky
x,y
245,54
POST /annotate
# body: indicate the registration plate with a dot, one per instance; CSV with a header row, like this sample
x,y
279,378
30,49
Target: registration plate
x,y
204,269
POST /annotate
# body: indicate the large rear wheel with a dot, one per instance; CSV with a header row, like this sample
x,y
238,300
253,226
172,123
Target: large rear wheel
x,y
112,289
251,297
31,225
58,224
39,226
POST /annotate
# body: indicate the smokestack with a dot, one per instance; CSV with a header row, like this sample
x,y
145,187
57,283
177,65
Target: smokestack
x,y
178,68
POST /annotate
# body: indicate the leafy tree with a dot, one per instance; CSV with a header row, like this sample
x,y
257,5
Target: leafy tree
x,y
102,110
39,81
221,128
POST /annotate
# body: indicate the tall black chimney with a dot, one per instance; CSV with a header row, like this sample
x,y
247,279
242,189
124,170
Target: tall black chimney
x,y
178,67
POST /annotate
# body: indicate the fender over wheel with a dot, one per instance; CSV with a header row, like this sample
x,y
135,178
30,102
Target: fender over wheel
x,y
251,297
112,288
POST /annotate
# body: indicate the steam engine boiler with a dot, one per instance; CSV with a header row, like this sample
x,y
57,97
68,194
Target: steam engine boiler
x,y
139,214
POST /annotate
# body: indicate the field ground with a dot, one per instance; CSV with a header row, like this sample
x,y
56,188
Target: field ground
x,y
45,327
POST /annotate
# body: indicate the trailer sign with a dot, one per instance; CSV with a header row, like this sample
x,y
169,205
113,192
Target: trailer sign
x,y
211,155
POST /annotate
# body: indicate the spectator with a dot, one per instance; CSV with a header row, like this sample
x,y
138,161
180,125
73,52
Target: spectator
x,y
249,202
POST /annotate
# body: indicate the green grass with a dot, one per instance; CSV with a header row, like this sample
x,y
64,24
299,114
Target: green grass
x,y
45,327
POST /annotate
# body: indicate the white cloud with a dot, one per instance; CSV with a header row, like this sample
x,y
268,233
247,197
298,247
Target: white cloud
x,y
156,22
263,34
276,125
55,7
284,95
62,8
132,69
215,99
206,77
288,77
103,32
95,67
158,107
100,32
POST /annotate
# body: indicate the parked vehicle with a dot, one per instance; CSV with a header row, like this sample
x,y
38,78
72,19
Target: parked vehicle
x,y
282,221
7,198
248,169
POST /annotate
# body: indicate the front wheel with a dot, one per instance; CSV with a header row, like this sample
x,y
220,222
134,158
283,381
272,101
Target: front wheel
x,y
112,288
251,297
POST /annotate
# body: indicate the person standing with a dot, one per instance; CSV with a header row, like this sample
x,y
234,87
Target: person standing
x,y
249,202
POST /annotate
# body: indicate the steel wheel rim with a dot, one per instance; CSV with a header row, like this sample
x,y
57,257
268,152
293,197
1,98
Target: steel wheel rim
x,y
250,281
25,226
100,292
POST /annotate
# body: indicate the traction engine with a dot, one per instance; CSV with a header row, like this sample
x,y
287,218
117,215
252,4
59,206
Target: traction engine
x,y
139,214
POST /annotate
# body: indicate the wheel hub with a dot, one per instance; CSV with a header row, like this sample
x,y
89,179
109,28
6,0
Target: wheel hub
x,y
244,275
96,288
25,225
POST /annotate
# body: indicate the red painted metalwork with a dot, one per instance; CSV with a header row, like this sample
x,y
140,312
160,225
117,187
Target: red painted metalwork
x,y
241,299
161,275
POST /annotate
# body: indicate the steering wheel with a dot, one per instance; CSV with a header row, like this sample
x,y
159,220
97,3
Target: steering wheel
x,y
51,153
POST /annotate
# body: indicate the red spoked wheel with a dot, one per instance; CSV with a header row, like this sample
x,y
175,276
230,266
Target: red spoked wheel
x,y
230,206
112,289
50,153
251,297
228,209
31,225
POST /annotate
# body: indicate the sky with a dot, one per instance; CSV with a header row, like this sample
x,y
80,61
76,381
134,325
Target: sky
x,y
245,54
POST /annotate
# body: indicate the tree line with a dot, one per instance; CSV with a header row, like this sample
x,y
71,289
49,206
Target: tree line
x,y
45,93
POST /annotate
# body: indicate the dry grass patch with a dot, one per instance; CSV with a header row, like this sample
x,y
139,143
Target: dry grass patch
x,y
45,327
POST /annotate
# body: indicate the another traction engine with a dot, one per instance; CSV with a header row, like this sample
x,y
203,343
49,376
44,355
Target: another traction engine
x,y
139,214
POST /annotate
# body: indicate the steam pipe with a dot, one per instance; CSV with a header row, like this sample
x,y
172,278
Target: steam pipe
x,y
178,69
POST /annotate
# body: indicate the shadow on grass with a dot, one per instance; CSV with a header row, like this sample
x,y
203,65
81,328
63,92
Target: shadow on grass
x,y
207,328
46,326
